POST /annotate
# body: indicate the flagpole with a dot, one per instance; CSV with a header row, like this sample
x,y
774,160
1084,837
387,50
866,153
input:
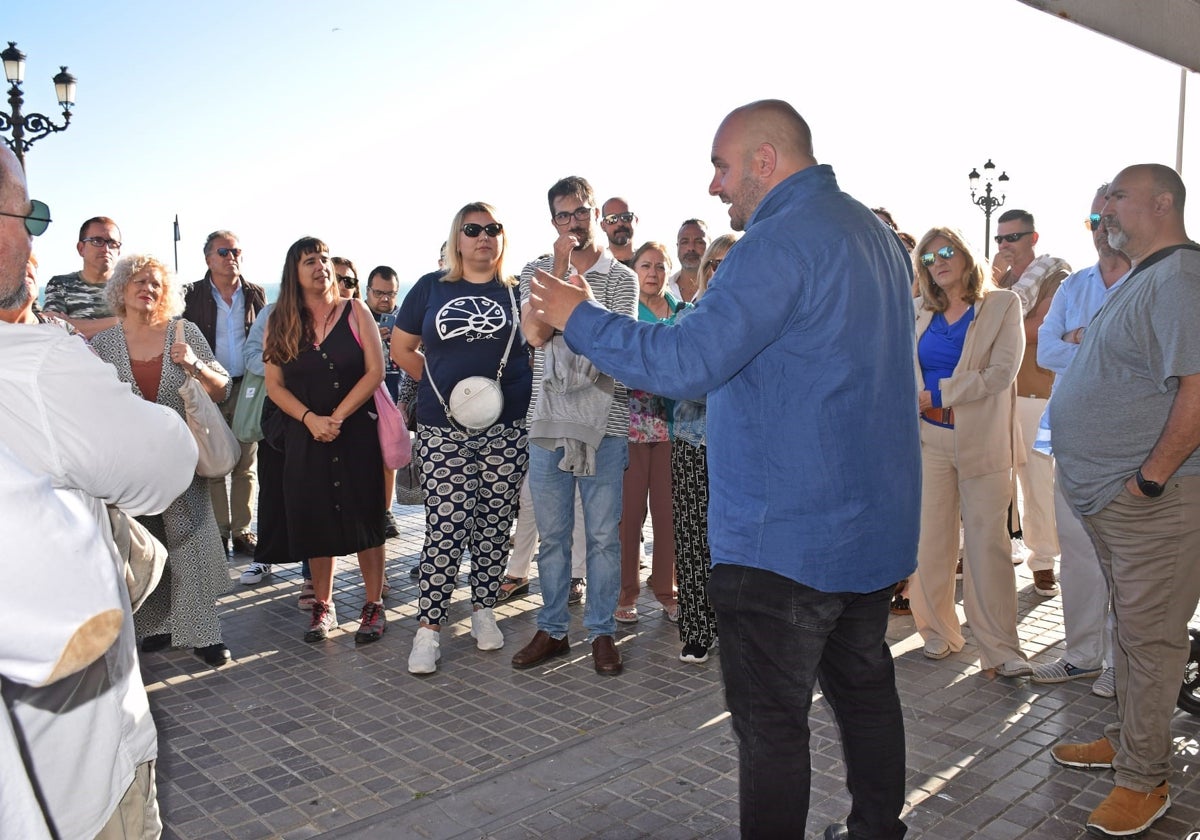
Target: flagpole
x,y
177,243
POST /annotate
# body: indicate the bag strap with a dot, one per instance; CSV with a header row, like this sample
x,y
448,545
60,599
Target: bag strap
x,y
503,361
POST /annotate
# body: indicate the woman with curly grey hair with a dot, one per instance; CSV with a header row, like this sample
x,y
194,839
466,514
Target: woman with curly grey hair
x,y
147,301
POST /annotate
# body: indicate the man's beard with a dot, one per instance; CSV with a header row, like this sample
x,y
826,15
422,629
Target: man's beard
x,y
584,235
17,298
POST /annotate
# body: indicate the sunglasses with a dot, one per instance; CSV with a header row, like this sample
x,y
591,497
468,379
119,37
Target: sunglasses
x,y
36,220
581,214
348,281
473,230
1011,237
714,263
103,242
225,252
613,218
945,252
1092,222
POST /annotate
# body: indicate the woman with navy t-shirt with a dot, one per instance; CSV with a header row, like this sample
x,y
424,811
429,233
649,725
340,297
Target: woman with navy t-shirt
x,y
458,333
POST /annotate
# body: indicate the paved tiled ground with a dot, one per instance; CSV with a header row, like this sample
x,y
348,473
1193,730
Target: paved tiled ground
x,y
329,740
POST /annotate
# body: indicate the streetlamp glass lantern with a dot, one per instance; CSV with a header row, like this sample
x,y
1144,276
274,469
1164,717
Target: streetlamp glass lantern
x,y
973,177
14,64
64,88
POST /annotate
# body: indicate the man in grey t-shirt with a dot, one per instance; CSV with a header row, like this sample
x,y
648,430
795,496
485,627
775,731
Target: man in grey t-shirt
x,y
1126,420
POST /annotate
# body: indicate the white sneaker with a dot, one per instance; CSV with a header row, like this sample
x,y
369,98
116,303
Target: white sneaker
x,y
1020,553
255,572
426,651
483,628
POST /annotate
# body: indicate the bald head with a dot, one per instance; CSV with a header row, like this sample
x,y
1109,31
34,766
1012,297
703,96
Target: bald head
x,y
14,238
1143,210
756,147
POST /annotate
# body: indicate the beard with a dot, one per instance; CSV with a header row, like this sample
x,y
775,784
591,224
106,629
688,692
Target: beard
x,y
584,235
17,298
621,236
1117,239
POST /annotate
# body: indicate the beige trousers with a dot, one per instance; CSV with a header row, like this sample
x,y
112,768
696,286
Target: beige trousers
x,y
136,816
989,583
233,510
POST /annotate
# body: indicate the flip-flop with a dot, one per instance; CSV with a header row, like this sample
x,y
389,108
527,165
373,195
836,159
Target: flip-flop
x,y
626,615
516,588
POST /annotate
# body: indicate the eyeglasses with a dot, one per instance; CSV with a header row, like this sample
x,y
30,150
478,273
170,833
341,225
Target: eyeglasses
x,y
580,214
945,252
348,281
103,242
613,218
36,220
380,294
1011,237
225,252
1092,222
714,263
473,230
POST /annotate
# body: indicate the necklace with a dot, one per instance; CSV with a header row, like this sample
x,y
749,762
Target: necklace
x,y
325,329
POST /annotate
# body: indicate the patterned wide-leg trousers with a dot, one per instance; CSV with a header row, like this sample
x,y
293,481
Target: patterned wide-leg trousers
x,y
693,563
472,483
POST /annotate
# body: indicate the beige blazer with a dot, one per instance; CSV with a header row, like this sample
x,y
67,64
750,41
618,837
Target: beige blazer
x,y
983,389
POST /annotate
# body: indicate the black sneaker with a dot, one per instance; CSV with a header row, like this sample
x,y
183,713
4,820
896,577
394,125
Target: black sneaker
x,y
215,655
415,571
694,652
159,641
576,594
390,528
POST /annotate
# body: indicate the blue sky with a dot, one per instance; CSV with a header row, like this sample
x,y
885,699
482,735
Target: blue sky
x,y
369,123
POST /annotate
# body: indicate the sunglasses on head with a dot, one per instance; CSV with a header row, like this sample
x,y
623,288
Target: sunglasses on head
x,y
945,252
36,220
1011,237
348,281
613,218
1092,222
225,252
473,230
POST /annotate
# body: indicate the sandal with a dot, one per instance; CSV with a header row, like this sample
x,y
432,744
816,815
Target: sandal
x,y
626,615
512,587
900,605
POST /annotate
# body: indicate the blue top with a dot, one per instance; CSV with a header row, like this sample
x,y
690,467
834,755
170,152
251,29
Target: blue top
x,y
464,328
813,454
252,350
1074,305
231,331
939,350
688,416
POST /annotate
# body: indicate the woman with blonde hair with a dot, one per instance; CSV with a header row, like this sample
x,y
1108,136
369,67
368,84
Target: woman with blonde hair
x,y
689,496
970,340
324,361
458,333
147,300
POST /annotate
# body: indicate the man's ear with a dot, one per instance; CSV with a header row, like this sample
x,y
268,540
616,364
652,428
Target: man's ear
x,y
765,160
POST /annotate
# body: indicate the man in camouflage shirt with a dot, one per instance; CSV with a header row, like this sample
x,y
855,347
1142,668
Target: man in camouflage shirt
x,y
79,297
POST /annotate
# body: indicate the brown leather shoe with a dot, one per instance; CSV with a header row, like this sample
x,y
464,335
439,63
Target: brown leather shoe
x,y
541,647
606,657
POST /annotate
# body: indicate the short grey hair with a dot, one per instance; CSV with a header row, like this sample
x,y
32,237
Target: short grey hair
x,y
170,303
218,234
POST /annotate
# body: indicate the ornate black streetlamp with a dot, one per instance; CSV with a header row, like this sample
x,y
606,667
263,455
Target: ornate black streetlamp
x,y
987,202
27,129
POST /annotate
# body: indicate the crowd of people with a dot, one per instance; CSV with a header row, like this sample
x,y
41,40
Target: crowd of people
x,y
1023,412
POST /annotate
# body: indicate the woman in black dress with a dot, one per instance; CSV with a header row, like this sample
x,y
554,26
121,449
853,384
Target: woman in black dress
x,y
324,361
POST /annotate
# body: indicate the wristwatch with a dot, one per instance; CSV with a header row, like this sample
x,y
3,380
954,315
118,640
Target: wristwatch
x,y
1149,488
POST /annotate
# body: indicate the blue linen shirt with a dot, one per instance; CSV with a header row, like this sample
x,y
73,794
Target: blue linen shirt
x,y
252,350
804,344
231,331
1074,305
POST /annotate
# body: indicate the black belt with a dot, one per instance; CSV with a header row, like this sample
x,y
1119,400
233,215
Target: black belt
x,y
237,380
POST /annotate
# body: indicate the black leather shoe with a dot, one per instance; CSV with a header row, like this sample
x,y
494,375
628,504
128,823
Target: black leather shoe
x,y
159,641
837,831
605,656
215,655
543,646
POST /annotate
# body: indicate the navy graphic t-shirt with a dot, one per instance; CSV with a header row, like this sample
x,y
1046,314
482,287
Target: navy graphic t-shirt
x,y
464,328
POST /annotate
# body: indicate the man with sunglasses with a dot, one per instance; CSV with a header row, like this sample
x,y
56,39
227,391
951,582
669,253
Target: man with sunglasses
x,y
1125,419
814,461
223,304
1035,280
618,221
1085,597
691,242
578,424
78,297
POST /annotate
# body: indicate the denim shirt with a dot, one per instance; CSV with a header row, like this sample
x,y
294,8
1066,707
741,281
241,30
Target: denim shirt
x,y
688,416
803,343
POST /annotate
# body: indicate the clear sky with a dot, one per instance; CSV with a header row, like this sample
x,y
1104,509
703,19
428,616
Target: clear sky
x,y
368,123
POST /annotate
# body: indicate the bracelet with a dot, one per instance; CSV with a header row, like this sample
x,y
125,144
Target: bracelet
x,y
305,414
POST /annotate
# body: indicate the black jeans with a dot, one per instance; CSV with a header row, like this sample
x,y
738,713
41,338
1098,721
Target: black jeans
x,y
778,638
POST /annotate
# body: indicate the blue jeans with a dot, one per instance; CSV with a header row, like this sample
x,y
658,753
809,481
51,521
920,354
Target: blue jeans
x,y
779,637
554,508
